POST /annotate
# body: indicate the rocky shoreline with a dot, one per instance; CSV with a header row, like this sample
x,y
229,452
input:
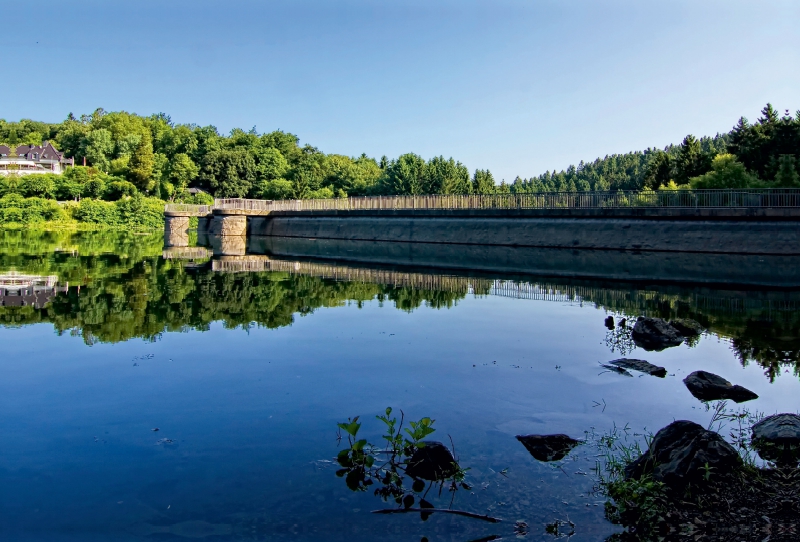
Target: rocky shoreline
x,y
692,484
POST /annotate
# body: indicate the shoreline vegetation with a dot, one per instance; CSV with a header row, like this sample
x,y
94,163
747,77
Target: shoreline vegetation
x,y
134,164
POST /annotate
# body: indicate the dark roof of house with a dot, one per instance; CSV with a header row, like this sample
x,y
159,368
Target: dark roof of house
x,y
45,151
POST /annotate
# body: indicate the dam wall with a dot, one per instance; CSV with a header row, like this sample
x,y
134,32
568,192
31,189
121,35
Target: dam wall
x,y
712,233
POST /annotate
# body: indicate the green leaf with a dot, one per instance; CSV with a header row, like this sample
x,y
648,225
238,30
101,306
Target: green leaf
x,y
388,411
351,428
418,486
408,501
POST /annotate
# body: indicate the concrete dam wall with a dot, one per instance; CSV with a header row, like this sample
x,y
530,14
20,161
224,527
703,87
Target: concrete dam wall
x,y
709,234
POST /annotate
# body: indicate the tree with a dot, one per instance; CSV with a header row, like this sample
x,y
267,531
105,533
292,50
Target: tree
x,y
446,177
787,176
98,148
691,160
659,170
230,173
483,182
182,171
726,172
406,175
140,166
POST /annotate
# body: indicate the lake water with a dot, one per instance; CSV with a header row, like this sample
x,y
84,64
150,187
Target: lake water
x,y
246,374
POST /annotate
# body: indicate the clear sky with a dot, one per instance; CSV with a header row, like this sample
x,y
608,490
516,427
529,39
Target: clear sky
x,y
517,86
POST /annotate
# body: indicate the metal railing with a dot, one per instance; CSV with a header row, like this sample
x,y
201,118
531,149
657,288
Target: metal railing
x,y
198,210
750,198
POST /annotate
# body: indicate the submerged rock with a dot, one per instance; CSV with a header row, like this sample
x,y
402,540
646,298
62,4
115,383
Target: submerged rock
x,y
432,462
655,334
683,453
687,327
640,365
548,447
710,387
777,438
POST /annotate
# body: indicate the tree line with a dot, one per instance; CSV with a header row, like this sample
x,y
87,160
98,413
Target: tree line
x,y
128,154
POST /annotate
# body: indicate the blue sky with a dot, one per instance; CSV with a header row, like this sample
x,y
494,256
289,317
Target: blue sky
x,y
518,87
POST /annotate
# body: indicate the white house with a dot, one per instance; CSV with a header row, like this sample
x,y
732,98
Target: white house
x,y
32,159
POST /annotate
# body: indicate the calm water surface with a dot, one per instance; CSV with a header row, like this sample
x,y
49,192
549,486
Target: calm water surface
x,y
245,375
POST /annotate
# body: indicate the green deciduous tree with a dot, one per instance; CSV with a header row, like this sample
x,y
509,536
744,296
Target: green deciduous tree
x,y
182,171
141,164
98,148
726,172
230,173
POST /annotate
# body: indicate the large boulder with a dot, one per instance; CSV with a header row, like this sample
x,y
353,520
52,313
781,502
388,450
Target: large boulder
x,y
548,447
777,438
684,453
710,387
640,365
433,461
655,334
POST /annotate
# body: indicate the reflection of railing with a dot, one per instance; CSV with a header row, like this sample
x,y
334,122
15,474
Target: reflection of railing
x,y
749,198
186,253
615,299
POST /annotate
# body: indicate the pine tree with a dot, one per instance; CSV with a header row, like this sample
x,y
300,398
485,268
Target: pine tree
x,y
787,176
140,166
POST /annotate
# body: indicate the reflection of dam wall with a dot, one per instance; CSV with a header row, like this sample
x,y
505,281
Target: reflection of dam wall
x,y
707,268
607,296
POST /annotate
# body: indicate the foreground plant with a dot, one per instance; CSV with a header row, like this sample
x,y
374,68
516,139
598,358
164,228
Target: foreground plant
x,y
405,468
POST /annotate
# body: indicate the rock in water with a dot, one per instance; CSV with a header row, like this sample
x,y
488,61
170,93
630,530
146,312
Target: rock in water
x,y
548,447
682,453
687,327
777,438
431,462
655,334
710,387
640,365
609,322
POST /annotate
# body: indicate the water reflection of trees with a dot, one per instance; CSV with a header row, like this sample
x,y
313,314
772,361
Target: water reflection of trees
x,y
121,288
762,327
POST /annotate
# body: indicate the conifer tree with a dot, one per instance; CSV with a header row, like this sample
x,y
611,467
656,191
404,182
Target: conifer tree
x,y
140,166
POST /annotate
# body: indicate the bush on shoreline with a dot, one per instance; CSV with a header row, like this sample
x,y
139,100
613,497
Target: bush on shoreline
x,y
137,212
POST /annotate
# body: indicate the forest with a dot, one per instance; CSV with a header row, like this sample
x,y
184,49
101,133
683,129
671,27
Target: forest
x,y
129,156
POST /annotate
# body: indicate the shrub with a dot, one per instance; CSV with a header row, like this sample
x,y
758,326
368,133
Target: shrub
x,y
116,190
94,211
93,188
141,212
38,186
14,209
